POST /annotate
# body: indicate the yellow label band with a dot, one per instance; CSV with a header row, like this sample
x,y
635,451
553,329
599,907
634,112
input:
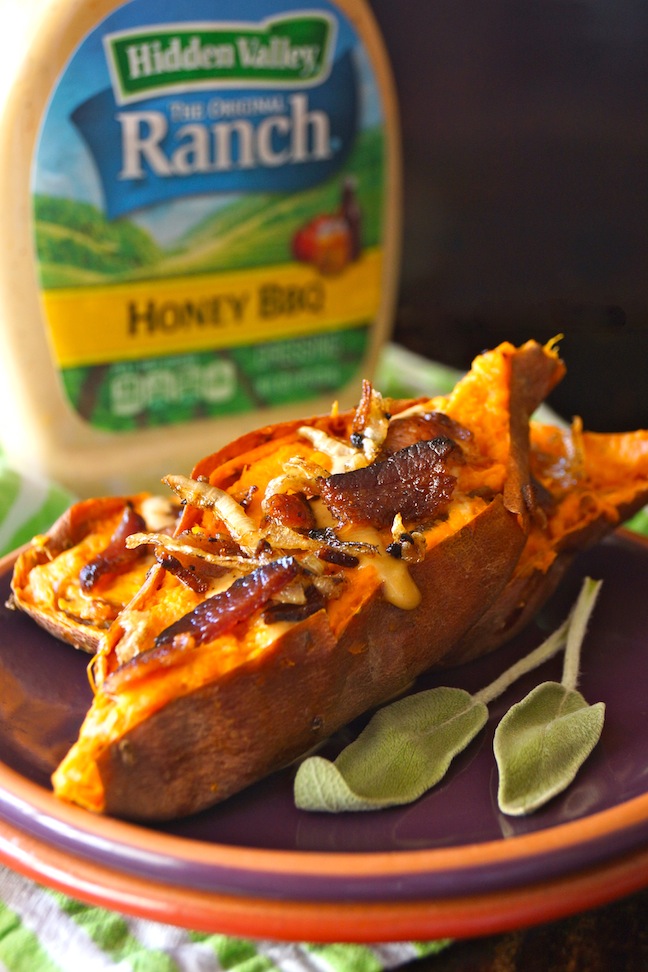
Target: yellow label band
x,y
99,325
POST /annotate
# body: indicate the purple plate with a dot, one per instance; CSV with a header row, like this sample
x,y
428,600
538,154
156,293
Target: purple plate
x,y
451,842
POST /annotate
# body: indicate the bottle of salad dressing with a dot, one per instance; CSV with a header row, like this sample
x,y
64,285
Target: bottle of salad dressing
x,y
201,219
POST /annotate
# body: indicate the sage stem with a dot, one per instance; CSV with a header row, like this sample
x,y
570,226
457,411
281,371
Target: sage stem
x,y
569,635
577,627
550,647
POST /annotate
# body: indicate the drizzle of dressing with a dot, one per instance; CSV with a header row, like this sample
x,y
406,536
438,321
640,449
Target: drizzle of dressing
x,y
398,587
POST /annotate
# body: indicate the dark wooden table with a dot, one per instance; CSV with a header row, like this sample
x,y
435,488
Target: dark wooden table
x,y
613,938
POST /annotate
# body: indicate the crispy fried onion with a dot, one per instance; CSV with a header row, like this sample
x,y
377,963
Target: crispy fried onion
x,y
408,545
160,513
205,496
185,547
184,557
344,553
299,592
276,535
370,422
285,538
195,559
292,611
299,476
343,456
414,482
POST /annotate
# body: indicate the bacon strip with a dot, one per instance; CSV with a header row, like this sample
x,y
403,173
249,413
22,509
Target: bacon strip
x,y
414,482
291,510
186,575
116,557
279,611
418,426
219,614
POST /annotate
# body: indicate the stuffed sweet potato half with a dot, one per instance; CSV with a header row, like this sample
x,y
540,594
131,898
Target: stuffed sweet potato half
x,y
320,566
76,578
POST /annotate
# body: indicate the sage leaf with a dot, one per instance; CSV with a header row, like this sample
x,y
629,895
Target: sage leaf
x,y
541,743
404,750
408,746
319,785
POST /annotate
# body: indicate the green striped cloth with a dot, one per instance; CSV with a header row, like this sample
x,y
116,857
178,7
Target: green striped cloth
x,y
44,931
27,507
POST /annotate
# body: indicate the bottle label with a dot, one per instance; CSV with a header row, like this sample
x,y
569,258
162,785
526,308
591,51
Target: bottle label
x,y
208,193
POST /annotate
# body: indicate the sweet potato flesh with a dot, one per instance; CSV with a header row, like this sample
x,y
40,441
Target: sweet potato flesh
x,y
469,459
76,579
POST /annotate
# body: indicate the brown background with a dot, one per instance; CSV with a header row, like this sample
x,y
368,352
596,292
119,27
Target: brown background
x,y
525,141
525,138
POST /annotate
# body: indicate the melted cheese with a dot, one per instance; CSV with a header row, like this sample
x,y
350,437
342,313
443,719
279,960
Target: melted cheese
x,y
393,574
397,584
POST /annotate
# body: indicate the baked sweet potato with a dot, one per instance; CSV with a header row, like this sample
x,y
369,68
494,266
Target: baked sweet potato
x,y
586,483
320,566
75,579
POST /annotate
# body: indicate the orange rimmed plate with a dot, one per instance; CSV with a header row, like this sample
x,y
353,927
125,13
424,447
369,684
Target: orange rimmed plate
x,y
448,865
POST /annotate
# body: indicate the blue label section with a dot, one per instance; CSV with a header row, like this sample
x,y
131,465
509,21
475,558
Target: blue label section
x,y
220,141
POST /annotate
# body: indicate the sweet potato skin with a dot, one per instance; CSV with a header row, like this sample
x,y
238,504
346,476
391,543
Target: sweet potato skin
x,y
267,712
527,591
